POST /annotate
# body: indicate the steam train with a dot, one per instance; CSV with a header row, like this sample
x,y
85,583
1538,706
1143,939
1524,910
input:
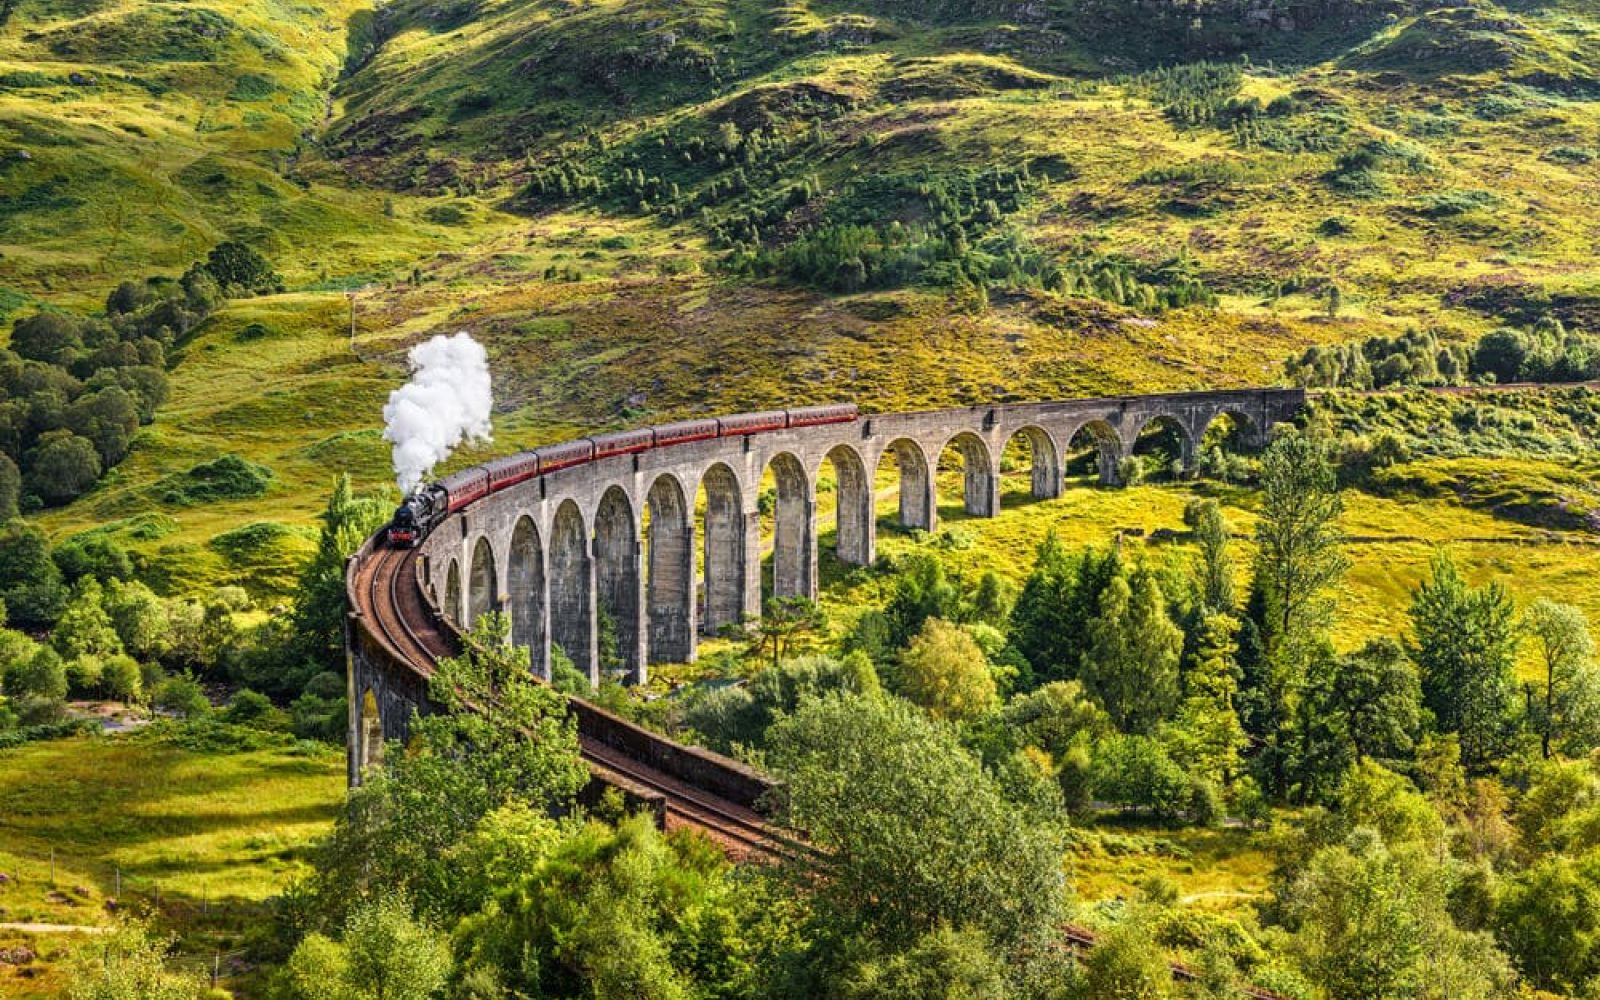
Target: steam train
x,y
422,511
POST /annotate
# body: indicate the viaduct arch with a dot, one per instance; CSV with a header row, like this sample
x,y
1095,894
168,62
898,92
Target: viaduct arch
x,y
663,546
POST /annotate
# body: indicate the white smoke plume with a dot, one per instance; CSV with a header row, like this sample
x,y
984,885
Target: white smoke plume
x,y
446,402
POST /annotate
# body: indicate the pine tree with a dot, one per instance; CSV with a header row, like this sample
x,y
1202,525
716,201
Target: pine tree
x,y
1131,663
1464,641
1211,734
1214,573
319,610
1297,560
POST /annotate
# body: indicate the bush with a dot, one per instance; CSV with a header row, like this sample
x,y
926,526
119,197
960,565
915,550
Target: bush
x,y
83,676
181,695
1205,803
247,708
1135,771
122,679
240,270
93,554
227,478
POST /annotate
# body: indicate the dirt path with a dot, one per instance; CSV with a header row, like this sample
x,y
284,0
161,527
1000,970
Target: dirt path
x,y
27,928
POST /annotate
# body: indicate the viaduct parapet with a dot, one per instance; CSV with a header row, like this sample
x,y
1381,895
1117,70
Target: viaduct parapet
x,y
625,536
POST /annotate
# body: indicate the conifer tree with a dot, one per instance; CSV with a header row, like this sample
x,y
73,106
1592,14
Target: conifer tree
x,y
1131,663
1464,640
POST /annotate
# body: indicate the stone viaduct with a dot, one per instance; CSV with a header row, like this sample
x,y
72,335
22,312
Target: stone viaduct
x,y
632,538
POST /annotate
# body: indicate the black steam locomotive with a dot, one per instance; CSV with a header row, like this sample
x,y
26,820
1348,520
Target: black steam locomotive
x,y
422,511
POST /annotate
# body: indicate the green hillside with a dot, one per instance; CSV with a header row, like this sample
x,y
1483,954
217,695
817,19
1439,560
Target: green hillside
x,y
649,209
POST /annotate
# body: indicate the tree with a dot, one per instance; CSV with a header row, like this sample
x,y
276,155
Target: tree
x,y
1567,711
1297,560
139,617
10,488
240,269
1059,598
30,582
944,671
1548,917
131,964
61,467
917,833
122,679
921,591
319,609
1360,705
624,912
502,738
384,955
786,622
108,419
1131,663
1297,538
1214,571
1372,924
1500,353
42,676
1055,717
52,337
1208,737
93,554
1137,771
1464,642
84,628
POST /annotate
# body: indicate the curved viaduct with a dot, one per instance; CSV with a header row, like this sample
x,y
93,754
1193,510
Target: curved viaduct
x,y
625,537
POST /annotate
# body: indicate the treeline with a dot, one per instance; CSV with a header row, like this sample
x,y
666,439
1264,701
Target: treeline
x,y
104,634
1546,353
75,389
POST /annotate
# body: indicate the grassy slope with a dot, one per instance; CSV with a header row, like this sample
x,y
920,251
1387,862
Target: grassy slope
x,y
218,833
189,135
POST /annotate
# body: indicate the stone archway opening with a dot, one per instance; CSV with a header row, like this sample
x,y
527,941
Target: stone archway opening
x,y
618,572
572,591
788,525
853,502
669,573
1030,467
1094,453
903,468
1163,451
1227,448
723,534
965,460
452,593
370,737
482,588
525,580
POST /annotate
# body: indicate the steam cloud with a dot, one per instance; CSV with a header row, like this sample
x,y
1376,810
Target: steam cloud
x,y
446,402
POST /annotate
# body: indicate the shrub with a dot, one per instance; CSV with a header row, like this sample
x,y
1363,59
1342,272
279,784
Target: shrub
x,y
1135,771
227,478
121,679
240,270
181,695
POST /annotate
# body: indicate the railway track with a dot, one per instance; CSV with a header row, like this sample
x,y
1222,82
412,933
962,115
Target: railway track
x,y
401,620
